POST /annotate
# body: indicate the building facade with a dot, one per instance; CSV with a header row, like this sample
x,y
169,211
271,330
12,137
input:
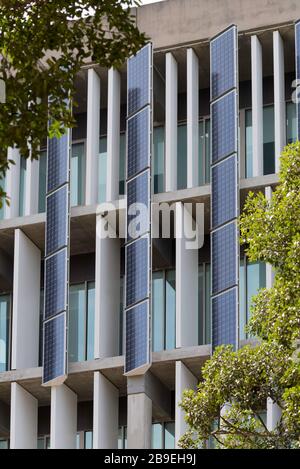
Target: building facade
x,y
100,404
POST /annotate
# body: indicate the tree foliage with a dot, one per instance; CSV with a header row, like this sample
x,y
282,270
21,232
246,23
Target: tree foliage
x,y
43,45
235,388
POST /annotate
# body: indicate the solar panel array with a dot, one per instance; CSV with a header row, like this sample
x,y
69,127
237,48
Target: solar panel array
x,y
56,261
297,45
138,184
225,187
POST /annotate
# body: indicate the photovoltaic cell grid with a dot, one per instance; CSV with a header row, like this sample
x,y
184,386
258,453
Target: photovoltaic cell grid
x,y
57,162
54,348
138,206
223,63
55,284
224,258
139,87
57,205
138,143
137,271
137,339
224,319
224,127
224,192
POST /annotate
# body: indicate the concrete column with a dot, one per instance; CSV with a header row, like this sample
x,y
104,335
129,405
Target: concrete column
x,y
184,380
32,184
63,418
269,269
279,97
257,107
26,303
186,282
139,421
171,122
274,414
113,135
12,184
107,301
92,137
24,419
106,413
192,119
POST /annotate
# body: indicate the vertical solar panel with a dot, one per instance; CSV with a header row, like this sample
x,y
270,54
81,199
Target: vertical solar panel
x,y
297,49
225,187
138,237
56,278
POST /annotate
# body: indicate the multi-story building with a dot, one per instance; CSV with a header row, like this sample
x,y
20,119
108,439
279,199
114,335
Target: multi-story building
x,y
99,404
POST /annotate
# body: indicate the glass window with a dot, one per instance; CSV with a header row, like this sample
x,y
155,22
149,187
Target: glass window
x,y
182,157
22,186
291,123
41,443
88,440
269,141
158,311
163,435
122,164
256,280
207,304
170,435
4,444
77,185
157,436
159,159
42,181
81,322
249,144
243,302
90,321
170,310
207,151
102,167
41,328
4,332
122,438
164,310
201,162
252,279
204,320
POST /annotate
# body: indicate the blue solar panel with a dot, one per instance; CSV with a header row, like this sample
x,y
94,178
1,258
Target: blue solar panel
x,y
224,63
224,258
138,206
224,319
54,363
224,192
55,284
138,143
137,337
57,220
224,127
139,86
137,271
57,162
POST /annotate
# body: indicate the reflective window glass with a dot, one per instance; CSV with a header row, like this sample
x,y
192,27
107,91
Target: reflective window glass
x,y
122,165
102,168
22,186
269,141
4,331
291,123
182,157
159,159
77,185
170,310
158,312
42,181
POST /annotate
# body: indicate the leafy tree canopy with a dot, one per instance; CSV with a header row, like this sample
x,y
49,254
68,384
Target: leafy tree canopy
x,y
227,406
43,45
